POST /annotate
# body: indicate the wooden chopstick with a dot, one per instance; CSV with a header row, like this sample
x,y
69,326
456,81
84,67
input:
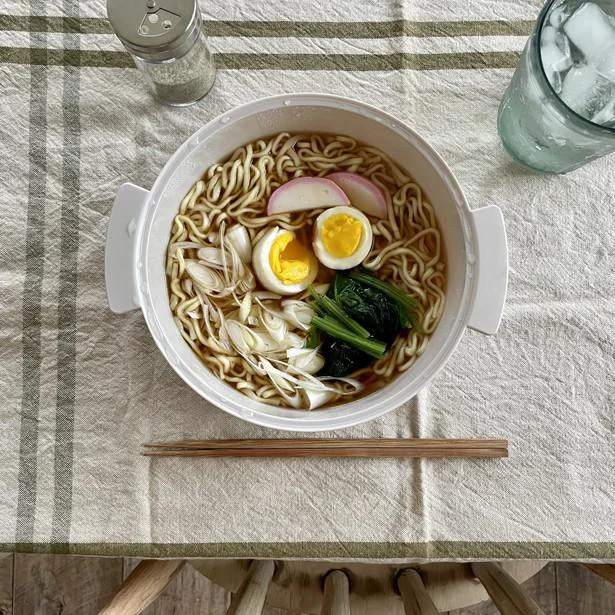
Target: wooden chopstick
x,y
307,447
330,442
331,452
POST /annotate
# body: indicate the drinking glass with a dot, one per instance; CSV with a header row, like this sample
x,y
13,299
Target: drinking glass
x,y
558,112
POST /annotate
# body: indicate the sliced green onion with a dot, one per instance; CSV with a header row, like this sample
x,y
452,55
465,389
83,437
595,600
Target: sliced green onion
x,y
408,302
327,305
372,347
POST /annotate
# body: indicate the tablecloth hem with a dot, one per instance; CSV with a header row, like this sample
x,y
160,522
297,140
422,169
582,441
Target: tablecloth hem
x,y
444,551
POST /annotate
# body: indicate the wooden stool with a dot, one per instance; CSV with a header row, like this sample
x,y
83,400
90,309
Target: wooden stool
x,y
327,588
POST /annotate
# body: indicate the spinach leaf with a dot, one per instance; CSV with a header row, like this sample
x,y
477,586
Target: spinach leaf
x,y
381,315
406,302
334,328
342,358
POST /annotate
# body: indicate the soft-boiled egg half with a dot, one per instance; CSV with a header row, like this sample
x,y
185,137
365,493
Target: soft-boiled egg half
x,y
342,237
282,263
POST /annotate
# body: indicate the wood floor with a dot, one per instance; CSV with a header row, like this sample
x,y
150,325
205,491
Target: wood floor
x,y
67,585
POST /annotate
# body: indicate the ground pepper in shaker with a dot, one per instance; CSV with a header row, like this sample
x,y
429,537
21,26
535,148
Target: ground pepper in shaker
x,y
167,45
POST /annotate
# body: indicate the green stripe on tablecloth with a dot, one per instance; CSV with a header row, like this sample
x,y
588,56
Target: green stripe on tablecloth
x,y
43,23
328,550
67,298
365,62
282,61
32,295
366,29
317,29
65,57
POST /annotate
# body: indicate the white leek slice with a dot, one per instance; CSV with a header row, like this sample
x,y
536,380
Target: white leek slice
x,y
245,307
212,257
247,340
208,280
293,340
265,294
306,359
239,238
241,336
219,345
282,382
275,326
315,399
264,343
297,313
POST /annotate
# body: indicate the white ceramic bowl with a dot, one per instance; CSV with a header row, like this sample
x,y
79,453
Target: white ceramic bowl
x,y
140,224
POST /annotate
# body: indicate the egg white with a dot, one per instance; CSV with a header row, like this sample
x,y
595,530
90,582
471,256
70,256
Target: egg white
x,y
363,249
264,272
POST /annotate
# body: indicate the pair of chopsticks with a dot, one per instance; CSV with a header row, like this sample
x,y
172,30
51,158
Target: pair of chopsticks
x,y
300,447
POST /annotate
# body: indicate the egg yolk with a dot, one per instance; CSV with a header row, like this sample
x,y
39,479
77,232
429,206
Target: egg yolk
x,y
341,235
290,260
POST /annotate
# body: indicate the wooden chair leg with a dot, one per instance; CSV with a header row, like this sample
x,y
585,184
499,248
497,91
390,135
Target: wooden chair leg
x,y
144,584
250,598
507,595
606,571
336,599
414,595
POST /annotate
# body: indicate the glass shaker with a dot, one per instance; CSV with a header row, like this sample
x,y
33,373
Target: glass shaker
x,y
167,45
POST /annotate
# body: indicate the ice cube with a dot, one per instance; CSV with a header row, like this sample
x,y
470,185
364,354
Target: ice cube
x,y
576,86
590,29
555,79
606,64
558,16
548,35
555,55
584,90
606,115
561,40
553,58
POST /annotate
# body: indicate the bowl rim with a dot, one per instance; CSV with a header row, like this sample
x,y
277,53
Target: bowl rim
x,y
232,401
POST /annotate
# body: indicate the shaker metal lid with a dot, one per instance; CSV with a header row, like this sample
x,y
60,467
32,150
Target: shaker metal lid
x,y
156,29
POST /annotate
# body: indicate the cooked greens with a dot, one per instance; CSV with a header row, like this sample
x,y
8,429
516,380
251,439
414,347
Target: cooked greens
x,y
329,306
333,327
313,337
342,358
361,315
370,307
402,299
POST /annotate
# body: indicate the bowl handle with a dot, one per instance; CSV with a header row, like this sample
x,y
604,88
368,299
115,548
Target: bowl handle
x,y
492,267
120,248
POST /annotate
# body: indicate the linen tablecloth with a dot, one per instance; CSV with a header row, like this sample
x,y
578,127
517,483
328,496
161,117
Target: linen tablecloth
x,y
82,388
